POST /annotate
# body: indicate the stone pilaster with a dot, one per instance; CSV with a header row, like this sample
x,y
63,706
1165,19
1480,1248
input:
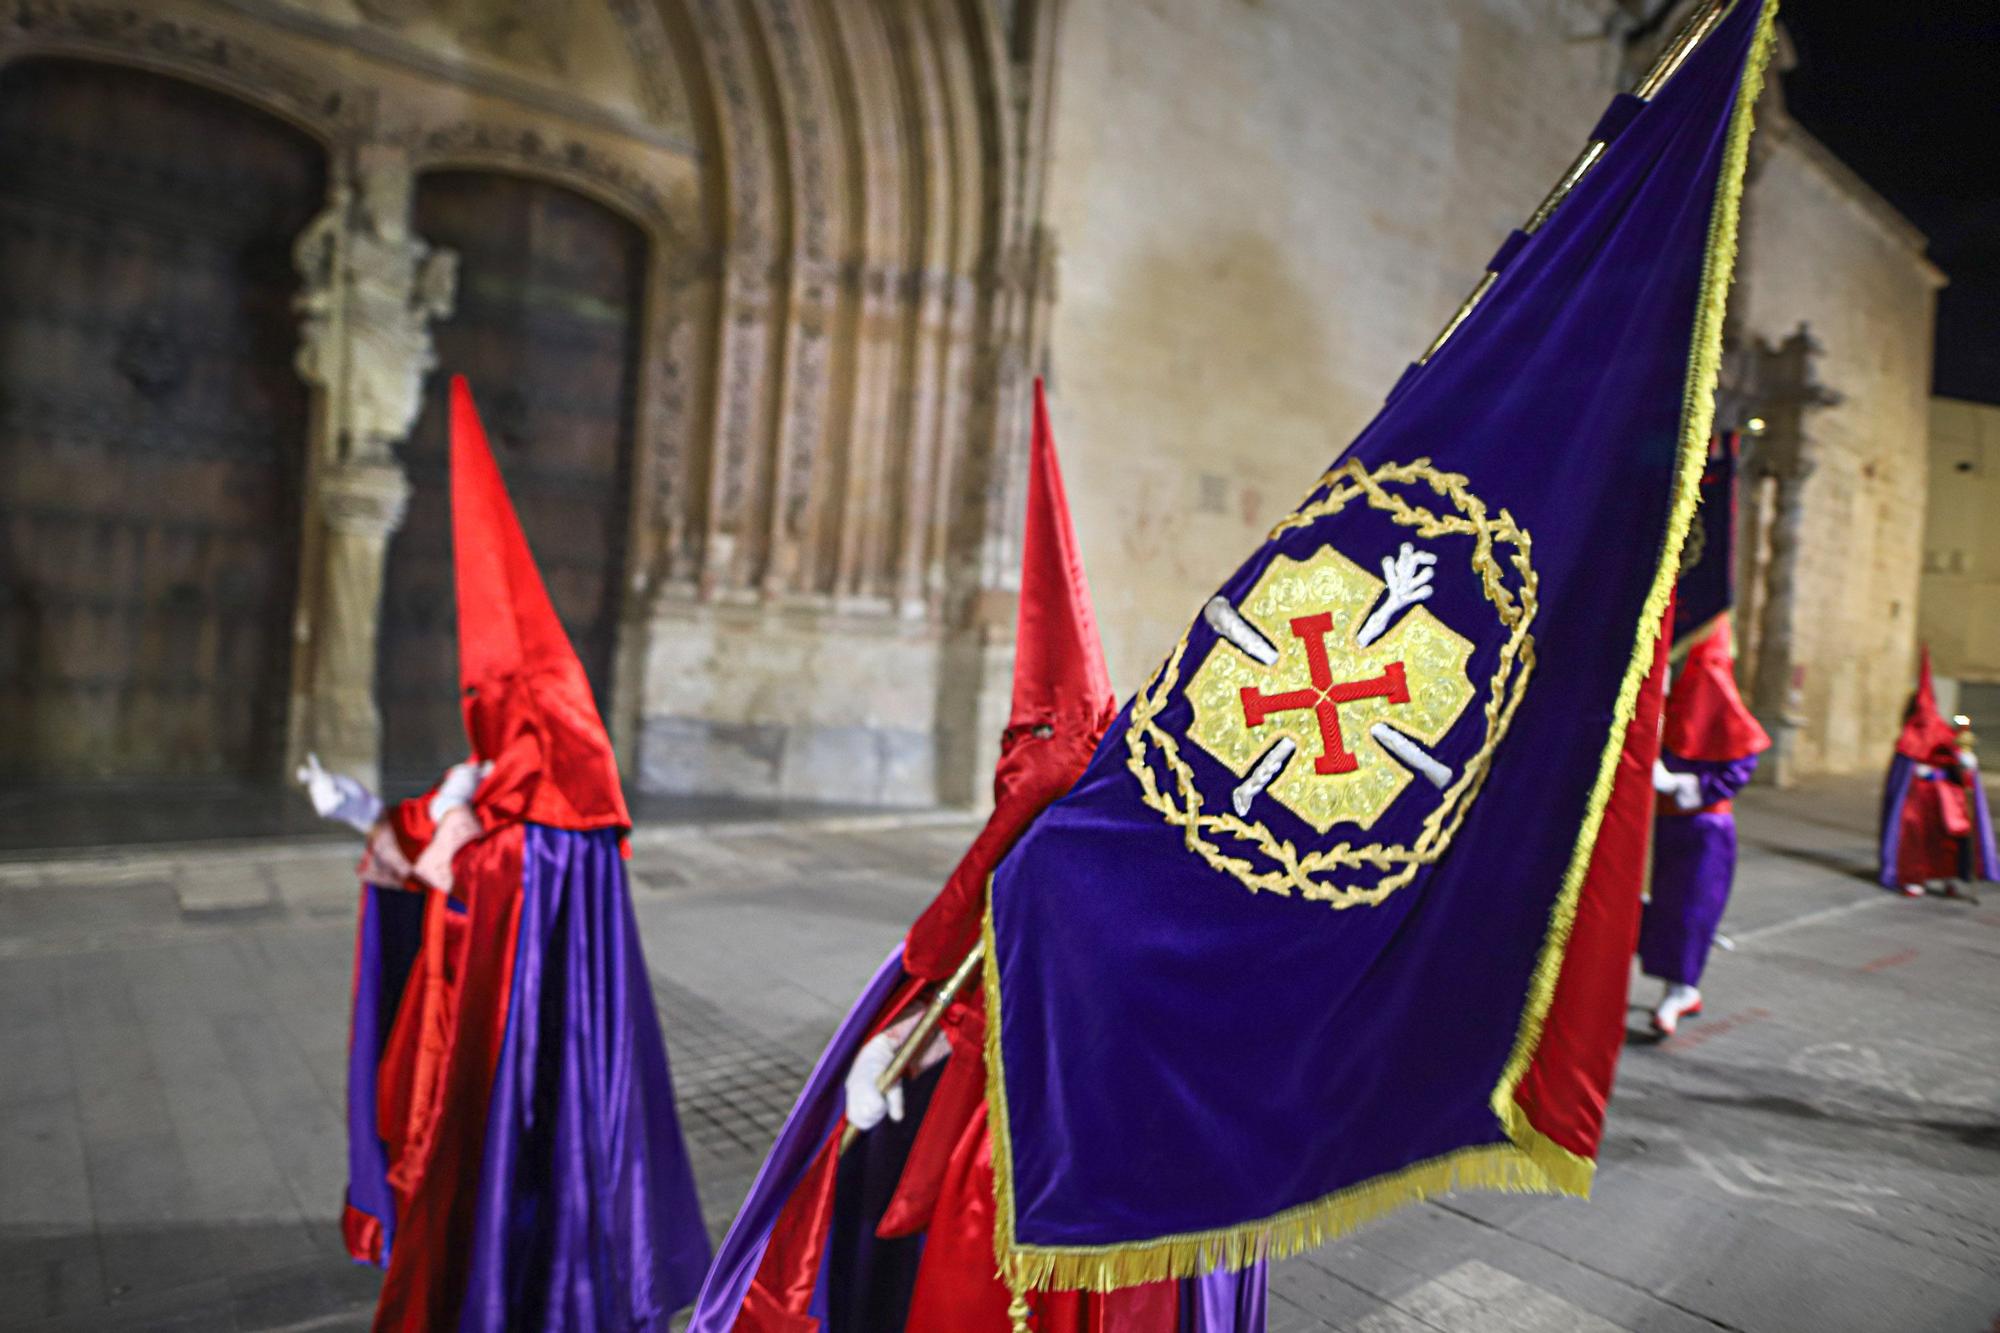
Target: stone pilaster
x,y
1786,393
369,293
360,505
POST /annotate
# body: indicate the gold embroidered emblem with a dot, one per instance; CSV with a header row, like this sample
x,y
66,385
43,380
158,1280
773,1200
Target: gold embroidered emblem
x,y
1327,693
1327,690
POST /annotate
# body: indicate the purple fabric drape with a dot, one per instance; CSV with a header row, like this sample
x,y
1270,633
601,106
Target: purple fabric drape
x,y
1181,1054
386,940
812,1119
1226,1302
587,1214
1895,790
1984,857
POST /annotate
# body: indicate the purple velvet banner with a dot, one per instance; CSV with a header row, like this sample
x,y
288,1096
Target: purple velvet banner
x,y
1212,1011
1706,588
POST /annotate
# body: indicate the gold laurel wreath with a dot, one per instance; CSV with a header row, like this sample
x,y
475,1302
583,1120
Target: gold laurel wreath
x,y
1286,868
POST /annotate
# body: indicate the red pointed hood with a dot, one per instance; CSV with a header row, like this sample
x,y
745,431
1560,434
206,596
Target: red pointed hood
x,y
1927,737
528,706
1062,704
1706,717
1059,672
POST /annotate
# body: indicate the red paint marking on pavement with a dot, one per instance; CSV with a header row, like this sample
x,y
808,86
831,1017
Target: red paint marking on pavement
x,y
1889,960
1686,1039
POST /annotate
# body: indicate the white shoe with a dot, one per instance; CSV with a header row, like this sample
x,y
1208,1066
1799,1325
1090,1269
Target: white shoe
x,y
1679,1002
1913,890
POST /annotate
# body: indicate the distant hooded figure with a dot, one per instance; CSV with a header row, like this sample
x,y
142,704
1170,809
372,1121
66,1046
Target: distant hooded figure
x,y
897,1232
515,1160
1708,750
1936,827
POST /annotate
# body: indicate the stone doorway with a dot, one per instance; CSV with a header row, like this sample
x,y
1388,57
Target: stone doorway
x,y
547,330
152,429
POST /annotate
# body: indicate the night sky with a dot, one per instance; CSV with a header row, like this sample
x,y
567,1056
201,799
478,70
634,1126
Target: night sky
x,y
1907,92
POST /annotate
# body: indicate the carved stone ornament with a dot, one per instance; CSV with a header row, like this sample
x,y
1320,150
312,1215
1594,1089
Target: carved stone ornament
x,y
370,290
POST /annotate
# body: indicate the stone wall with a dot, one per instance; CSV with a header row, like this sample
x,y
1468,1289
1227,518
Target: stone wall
x,y
1265,210
1822,251
1263,213
1959,607
845,282
1222,229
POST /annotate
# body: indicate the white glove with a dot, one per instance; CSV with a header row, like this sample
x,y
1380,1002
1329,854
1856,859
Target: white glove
x,y
460,782
866,1103
1685,788
338,797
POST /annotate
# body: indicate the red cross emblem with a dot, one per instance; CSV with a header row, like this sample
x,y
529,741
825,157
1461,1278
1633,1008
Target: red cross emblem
x,y
1324,697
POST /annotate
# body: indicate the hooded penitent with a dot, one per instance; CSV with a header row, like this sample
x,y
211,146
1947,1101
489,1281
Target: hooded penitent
x,y
1706,719
524,1108
1712,739
899,1233
1935,821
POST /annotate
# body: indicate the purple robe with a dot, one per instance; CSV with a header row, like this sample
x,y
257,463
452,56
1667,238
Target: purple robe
x,y
1694,861
587,1213
1218,1303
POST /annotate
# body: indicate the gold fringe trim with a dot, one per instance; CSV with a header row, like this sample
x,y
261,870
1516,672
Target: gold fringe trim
x,y
1528,1162
1697,420
1494,1168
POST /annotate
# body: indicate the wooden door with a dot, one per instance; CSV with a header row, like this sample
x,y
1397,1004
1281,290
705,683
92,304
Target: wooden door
x,y
152,428
547,331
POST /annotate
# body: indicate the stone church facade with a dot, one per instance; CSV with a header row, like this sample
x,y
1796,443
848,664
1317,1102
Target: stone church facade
x,y
751,292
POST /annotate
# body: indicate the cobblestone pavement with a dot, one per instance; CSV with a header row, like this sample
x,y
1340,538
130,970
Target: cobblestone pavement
x,y
1820,1151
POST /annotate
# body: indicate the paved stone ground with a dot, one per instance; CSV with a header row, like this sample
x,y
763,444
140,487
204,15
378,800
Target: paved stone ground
x,y
1820,1152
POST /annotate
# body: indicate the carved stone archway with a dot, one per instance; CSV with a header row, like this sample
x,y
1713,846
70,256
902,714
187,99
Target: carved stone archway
x,y
846,296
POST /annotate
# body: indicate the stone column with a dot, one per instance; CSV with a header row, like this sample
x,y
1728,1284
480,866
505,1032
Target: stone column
x,y
360,505
370,290
1787,391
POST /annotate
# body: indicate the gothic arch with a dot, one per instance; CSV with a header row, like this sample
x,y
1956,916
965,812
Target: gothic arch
x,y
225,63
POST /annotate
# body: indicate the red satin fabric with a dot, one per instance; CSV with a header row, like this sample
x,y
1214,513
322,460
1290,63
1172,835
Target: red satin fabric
x,y
960,1091
1927,737
362,1234
1936,818
958,1283
1059,671
1569,1082
1062,703
410,1090
1033,771
528,705
412,824
437,1189
1706,718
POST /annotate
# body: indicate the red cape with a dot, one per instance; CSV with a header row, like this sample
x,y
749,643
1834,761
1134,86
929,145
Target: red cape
x,y
1706,717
